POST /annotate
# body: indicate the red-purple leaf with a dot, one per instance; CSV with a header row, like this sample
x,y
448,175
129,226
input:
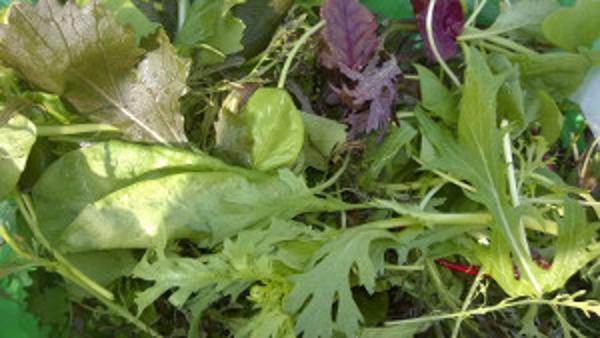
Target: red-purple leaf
x,y
448,21
350,34
376,85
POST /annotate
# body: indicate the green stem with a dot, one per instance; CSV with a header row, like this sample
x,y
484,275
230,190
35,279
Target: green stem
x,y
182,9
433,44
484,310
74,129
68,271
290,58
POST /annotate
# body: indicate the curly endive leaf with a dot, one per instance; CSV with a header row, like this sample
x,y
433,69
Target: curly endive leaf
x,y
84,55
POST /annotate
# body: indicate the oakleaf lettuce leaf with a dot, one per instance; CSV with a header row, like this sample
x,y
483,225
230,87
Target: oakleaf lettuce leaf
x,y
84,55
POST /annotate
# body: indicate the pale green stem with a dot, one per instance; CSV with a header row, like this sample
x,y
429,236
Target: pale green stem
x,y
74,129
393,267
475,13
510,169
588,156
294,51
182,9
468,301
433,45
481,311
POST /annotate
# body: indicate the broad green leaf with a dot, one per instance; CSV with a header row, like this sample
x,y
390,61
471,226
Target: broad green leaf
x,y
322,135
573,27
559,74
392,9
17,322
549,117
268,133
526,15
86,175
436,97
84,55
261,18
127,14
357,250
16,139
476,158
211,22
188,205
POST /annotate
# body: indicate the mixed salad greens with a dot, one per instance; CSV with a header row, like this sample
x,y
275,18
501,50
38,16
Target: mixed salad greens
x,y
279,168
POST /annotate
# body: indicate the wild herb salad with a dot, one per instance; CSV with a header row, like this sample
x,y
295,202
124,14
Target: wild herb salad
x,y
278,168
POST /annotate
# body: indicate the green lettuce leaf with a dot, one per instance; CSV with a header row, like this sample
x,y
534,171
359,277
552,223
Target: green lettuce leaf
x,y
17,137
84,55
573,27
268,132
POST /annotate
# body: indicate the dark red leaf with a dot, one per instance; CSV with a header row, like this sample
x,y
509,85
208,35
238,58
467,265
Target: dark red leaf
x,y
349,34
448,21
376,85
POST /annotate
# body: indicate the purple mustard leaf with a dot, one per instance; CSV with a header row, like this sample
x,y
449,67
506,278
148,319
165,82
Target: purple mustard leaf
x,y
448,22
375,85
349,34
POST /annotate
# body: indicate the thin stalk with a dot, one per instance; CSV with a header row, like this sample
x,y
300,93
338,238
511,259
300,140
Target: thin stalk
x,y
475,13
74,129
182,10
392,267
510,169
68,271
331,181
482,311
447,177
588,156
297,45
28,213
468,301
433,45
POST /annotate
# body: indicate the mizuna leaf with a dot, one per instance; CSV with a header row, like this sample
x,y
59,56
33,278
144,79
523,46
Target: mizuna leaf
x,y
436,97
328,280
16,139
349,34
448,21
475,157
84,55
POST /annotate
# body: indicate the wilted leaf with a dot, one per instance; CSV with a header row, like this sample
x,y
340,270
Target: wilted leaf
x,y
447,24
16,139
84,55
349,34
573,27
358,250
